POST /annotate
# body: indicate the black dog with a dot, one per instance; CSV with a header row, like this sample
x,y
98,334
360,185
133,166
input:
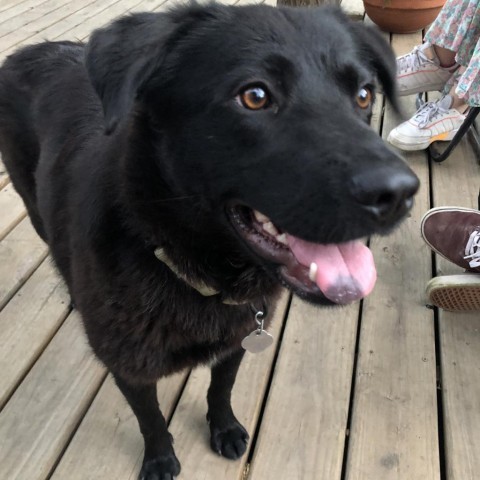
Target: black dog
x,y
182,166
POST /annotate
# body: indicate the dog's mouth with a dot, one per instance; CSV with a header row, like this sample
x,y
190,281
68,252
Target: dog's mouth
x,y
325,273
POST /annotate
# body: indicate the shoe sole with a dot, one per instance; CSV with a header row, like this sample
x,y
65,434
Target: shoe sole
x,y
455,293
413,147
431,212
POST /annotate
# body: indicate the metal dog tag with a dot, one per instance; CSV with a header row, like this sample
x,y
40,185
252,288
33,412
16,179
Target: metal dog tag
x,y
257,341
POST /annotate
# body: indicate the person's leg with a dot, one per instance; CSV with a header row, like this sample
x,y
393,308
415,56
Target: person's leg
x,y
445,56
448,43
458,103
422,70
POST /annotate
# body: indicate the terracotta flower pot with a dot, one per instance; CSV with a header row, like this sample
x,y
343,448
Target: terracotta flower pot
x,y
403,16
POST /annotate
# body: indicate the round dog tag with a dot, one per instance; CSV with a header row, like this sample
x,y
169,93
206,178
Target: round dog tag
x,y
257,341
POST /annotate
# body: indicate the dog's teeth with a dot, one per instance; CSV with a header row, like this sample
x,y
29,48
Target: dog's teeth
x,y
282,239
269,227
312,274
261,217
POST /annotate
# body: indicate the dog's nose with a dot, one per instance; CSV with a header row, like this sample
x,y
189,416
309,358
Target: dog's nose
x,y
387,194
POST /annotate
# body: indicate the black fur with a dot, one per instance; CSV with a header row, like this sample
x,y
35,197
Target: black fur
x,y
137,140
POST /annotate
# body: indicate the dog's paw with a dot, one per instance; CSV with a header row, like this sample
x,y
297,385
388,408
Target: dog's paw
x,y
163,467
230,442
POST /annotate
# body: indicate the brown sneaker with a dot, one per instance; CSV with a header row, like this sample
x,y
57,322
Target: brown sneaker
x,y
455,293
454,233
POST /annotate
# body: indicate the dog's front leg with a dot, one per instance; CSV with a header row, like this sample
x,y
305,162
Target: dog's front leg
x,y
159,461
228,437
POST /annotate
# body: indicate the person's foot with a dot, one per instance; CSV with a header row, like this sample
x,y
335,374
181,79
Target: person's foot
x,y
420,71
433,121
455,293
454,233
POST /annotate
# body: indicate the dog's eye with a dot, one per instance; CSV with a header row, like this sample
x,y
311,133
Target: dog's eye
x,y
254,98
364,97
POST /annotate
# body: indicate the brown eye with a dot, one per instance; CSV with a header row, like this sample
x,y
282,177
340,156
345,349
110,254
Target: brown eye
x,y
254,98
364,97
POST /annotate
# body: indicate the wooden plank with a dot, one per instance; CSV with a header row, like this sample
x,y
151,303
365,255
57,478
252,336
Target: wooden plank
x,y
233,2
28,323
21,28
12,208
148,5
84,21
42,414
353,8
113,13
21,12
394,434
81,30
304,425
29,17
155,5
21,251
108,443
95,11
455,182
189,427
460,354
9,4
80,25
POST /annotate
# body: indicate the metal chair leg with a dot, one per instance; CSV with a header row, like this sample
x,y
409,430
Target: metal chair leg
x,y
419,100
437,156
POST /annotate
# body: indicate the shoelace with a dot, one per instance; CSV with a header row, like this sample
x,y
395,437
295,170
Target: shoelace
x,y
412,60
472,250
428,112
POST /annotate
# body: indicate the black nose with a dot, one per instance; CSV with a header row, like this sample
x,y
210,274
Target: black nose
x,y
386,193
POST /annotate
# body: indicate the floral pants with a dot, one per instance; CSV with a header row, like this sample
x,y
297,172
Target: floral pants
x,y
457,28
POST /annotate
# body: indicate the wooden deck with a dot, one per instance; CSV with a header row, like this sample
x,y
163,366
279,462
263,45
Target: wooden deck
x,y
382,390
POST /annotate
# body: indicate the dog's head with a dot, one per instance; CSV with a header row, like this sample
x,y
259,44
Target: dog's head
x,y
262,113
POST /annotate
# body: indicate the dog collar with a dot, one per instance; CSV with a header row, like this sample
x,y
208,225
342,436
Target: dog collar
x,y
201,287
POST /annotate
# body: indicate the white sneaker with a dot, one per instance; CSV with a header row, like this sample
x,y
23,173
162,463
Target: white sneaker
x,y
432,122
420,71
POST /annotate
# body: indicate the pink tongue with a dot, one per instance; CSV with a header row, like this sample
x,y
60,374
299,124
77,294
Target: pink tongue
x,y
346,272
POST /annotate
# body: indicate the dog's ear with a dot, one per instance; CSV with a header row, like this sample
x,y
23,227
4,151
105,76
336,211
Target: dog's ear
x,y
379,56
121,57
